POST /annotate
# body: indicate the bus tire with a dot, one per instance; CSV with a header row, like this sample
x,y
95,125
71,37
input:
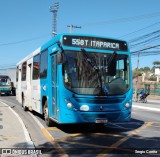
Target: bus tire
x,y
23,102
46,114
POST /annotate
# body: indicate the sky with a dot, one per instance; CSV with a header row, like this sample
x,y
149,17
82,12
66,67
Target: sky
x,y
25,25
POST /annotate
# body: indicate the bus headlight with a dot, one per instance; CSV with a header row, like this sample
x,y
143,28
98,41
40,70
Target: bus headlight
x,y
127,105
69,105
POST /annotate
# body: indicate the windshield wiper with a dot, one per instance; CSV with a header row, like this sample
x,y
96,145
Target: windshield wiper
x,y
94,65
112,64
90,60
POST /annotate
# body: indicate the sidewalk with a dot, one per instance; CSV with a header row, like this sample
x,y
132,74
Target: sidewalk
x,y
13,133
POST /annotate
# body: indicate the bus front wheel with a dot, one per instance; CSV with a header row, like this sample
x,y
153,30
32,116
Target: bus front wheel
x,y
46,115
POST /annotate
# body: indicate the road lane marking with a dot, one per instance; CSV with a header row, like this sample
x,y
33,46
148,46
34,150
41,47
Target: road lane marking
x,y
114,135
95,146
153,101
118,143
52,129
156,126
7,137
49,137
147,108
53,142
76,135
26,133
4,101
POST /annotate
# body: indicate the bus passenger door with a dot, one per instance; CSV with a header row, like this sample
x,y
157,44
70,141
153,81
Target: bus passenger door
x,y
54,85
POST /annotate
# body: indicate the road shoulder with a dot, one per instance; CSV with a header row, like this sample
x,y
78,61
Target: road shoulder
x,y
13,131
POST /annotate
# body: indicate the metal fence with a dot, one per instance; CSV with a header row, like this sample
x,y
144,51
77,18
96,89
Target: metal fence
x,y
154,88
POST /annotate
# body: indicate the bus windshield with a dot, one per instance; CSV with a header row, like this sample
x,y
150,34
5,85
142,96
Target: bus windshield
x,y
88,73
4,81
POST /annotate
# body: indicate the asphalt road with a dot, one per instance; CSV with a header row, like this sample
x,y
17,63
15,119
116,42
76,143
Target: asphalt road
x,y
139,136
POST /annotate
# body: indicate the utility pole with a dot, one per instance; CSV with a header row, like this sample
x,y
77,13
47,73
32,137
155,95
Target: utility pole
x,y
54,10
138,61
137,67
71,27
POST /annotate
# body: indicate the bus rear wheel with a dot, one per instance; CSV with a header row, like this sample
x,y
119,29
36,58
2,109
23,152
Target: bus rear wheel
x,y
23,104
46,114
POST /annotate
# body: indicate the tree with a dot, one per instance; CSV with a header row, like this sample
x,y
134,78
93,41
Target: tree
x,y
156,64
137,73
153,78
146,69
153,69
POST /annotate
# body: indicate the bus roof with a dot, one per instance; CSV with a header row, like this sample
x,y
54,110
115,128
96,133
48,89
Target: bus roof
x,y
29,56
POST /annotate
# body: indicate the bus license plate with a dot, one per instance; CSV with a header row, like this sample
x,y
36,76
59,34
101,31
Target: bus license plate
x,y
101,120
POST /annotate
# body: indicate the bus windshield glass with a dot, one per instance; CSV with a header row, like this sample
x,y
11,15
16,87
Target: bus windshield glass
x,y
4,81
88,73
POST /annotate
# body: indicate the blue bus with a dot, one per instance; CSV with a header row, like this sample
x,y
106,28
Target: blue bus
x,y
76,78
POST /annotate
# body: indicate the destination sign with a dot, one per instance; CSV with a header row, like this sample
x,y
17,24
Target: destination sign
x,y
93,42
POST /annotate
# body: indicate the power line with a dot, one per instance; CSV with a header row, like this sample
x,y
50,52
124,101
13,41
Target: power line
x,y
108,22
126,19
143,40
7,65
144,36
140,30
151,47
23,41
146,53
147,41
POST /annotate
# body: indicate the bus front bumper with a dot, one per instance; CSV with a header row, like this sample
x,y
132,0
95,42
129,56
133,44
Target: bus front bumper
x,y
5,91
96,117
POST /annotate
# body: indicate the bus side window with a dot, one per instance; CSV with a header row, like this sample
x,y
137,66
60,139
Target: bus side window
x,y
24,69
44,64
120,68
36,67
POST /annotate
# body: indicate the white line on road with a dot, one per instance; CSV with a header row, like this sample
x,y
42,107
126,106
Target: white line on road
x,y
147,108
153,101
26,133
37,121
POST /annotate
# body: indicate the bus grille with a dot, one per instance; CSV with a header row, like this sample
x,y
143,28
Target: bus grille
x,y
100,101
